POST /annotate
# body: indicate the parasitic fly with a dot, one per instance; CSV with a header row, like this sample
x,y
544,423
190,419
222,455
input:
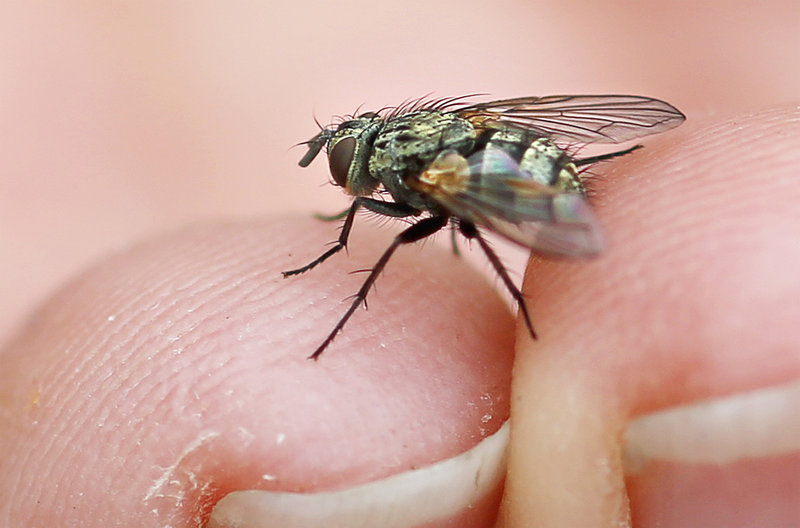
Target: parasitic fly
x,y
496,165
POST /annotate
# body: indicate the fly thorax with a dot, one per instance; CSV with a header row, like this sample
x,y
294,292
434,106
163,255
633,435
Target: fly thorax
x,y
410,142
396,183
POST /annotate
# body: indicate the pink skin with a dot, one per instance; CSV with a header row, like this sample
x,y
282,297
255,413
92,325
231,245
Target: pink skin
x,y
191,351
116,127
693,300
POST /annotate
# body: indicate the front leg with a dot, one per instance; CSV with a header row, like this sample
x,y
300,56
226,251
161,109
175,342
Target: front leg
x,y
377,206
333,217
422,229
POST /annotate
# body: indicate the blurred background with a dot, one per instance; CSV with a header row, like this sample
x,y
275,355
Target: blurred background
x,y
121,120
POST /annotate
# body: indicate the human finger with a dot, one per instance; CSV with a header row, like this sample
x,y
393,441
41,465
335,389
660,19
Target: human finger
x,y
176,372
694,302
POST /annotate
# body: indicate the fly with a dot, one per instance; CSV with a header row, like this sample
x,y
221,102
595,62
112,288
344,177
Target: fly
x,y
499,165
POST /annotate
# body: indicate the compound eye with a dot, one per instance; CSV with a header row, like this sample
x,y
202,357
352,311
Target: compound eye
x,y
340,158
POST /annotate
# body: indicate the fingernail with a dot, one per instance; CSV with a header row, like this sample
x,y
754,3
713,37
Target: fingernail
x,y
755,424
439,491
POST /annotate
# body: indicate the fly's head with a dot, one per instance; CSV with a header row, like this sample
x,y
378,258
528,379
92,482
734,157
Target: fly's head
x,y
348,146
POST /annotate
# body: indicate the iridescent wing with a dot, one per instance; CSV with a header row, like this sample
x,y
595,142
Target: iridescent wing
x,y
490,190
581,118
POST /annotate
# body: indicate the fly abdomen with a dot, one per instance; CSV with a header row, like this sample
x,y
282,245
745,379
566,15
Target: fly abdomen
x,y
537,156
512,141
548,164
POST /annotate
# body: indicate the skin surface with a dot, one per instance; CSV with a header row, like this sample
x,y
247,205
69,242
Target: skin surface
x,y
683,308
163,376
180,369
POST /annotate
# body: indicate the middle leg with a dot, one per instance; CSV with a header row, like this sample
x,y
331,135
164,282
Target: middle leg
x,y
469,230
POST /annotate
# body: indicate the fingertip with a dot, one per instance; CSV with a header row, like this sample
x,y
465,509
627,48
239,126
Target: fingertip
x,y
692,300
176,372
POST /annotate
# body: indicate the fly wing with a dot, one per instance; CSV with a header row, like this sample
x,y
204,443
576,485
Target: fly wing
x,y
571,230
581,118
490,190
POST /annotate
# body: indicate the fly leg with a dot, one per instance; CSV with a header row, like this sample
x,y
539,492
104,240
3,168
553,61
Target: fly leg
x,y
414,233
453,242
603,157
384,208
333,217
469,230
